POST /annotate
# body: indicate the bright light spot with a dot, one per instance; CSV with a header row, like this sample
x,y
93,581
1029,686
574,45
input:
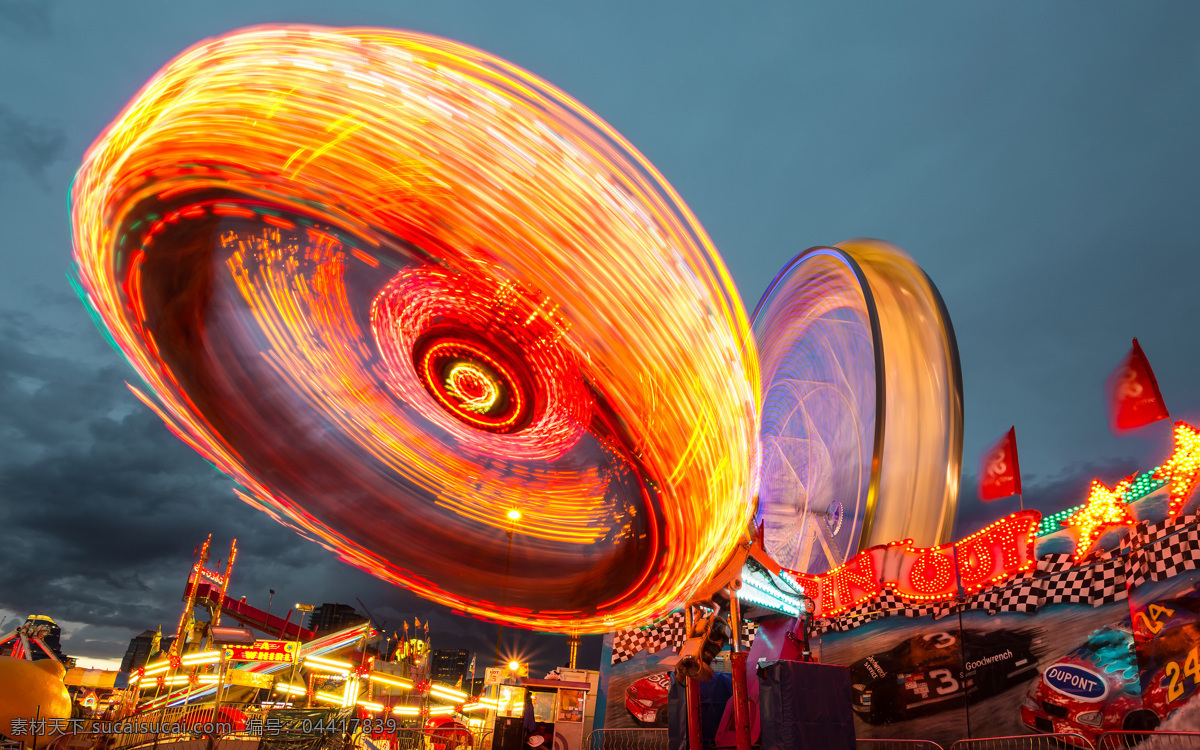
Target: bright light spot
x,y
514,515
514,666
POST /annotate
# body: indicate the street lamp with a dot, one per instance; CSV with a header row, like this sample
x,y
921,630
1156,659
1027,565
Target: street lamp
x,y
514,515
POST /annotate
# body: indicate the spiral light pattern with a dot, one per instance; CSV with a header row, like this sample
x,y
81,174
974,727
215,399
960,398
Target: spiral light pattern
x,y
398,288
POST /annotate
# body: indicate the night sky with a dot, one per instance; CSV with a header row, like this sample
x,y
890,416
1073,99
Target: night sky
x,y
1039,160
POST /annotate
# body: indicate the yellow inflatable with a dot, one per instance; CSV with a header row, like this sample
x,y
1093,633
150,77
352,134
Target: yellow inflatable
x,y
32,690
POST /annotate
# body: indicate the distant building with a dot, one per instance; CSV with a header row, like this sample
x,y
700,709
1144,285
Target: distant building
x,y
448,666
330,617
138,652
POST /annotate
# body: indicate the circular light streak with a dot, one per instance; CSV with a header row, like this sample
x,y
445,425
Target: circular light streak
x,y
816,348
862,406
475,385
396,288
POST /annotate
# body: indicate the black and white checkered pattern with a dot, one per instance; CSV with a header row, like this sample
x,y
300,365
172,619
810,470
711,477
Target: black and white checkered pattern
x,y
668,633
987,600
1024,595
749,633
1146,534
1051,564
922,610
1108,581
1072,586
887,602
1168,555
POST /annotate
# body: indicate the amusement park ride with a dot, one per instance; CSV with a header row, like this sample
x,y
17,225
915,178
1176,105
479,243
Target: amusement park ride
x,y
404,292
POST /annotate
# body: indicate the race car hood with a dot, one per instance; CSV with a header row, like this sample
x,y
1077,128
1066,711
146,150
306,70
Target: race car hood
x,y
1100,669
653,688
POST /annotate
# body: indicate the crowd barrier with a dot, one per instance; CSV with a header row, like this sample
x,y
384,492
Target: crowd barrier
x,y
1026,742
1149,740
626,739
897,745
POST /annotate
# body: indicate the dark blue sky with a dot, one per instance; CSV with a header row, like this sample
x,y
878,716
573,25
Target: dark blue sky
x,y
1038,159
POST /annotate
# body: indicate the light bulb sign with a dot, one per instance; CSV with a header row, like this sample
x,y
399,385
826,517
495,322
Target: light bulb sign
x,y
996,553
277,652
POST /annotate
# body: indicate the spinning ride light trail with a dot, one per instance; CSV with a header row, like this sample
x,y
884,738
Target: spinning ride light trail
x,y
817,357
862,406
401,290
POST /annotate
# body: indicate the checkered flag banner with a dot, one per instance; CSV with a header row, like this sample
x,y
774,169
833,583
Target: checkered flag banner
x,y
1146,534
1149,552
1023,595
1166,552
749,633
1072,586
1051,564
668,633
851,618
1108,581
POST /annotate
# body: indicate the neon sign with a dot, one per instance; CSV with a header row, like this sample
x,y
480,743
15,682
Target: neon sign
x,y
996,553
213,576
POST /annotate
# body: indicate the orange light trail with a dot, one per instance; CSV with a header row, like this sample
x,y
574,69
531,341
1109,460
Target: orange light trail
x,y
295,235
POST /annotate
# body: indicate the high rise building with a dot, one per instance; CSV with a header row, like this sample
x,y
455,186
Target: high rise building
x,y
330,617
139,651
448,666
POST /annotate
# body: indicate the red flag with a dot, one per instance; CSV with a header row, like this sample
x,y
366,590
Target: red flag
x,y
999,472
1133,396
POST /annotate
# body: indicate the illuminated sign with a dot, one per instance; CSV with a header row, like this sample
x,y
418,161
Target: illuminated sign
x,y
215,577
279,652
243,678
997,553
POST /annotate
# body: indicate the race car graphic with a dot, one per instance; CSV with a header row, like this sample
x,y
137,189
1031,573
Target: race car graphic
x,y
646,699
1092,690
927,673
1167,638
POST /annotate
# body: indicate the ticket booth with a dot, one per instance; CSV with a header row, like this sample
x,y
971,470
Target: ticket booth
x,y
559,708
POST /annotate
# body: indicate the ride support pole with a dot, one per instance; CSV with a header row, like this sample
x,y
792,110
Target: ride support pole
x,y
737,662
741,701
695,738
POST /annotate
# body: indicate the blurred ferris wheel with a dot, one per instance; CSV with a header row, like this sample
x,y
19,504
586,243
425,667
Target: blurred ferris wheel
x,y
862,406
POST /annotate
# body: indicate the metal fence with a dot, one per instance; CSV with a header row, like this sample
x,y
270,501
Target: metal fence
x,y
276,729
896,745
440,739
180,722
1025,742
1150,740
626,739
